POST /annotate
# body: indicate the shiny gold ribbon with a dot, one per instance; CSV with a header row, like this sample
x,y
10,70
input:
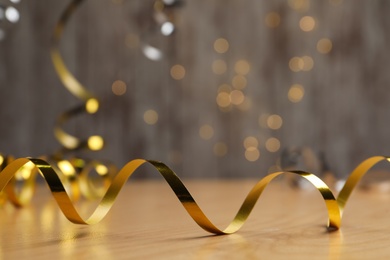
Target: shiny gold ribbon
x,y
91,103
75,175
334,207
57,185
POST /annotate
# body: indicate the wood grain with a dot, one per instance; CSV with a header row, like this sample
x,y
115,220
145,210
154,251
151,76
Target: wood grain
x,y
148,222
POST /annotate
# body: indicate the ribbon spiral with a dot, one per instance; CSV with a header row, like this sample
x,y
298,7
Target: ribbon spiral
x,y
75,175
335,207
65,200
90,103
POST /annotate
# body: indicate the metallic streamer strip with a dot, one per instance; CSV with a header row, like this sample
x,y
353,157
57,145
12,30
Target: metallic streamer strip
x,y
73,173
66,205
91,103
355,177
335,207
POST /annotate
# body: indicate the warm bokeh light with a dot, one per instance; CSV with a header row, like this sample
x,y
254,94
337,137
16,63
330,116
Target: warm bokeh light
x,y
296,64
274,122
304,63
237,97
66,168
307,23
308,63
221,45
219,67
251,141
95,143
178,72
272,144
272,19
101,169
220,149
150,117
224,88
324,46
223,99
92,106
239,82
296,93
252,154
119,87
242,67
206,132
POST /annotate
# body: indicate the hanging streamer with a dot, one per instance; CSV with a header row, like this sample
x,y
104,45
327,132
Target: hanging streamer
x,y
90,103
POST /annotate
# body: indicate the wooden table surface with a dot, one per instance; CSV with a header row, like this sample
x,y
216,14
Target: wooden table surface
x,y
148,222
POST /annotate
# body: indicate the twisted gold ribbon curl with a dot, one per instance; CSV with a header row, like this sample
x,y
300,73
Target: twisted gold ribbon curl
x,y
334,206
66,205
73,173
91,103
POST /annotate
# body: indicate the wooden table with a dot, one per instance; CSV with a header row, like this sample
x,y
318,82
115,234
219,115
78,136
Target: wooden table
x,y
148,222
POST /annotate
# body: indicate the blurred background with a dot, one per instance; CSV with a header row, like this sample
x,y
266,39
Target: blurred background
x,y
213,88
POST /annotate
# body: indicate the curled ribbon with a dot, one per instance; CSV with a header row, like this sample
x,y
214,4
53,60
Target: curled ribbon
x,y
73,173
335,207
90,102
52,174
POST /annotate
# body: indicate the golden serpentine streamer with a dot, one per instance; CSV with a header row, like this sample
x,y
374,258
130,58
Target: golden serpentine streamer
x,y
53,175
74,173
335,207
91,103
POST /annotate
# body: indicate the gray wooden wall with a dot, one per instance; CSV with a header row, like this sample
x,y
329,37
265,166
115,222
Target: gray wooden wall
x,y
344,112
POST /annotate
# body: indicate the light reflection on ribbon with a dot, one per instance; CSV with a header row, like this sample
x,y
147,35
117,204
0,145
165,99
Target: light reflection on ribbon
x,y
90,102
335,207
66,205
75,175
